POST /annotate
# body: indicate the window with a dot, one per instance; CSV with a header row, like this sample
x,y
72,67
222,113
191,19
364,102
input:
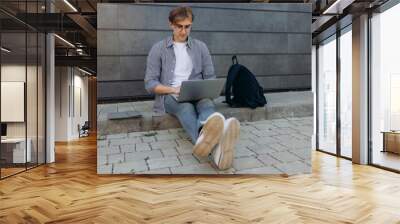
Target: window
x,y
327,95
22,87
346,92
385,89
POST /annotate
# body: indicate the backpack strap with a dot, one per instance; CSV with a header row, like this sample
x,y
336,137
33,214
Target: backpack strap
x,y
234,58
232,74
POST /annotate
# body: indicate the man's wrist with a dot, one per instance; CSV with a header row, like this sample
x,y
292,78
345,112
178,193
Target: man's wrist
x,y
172,90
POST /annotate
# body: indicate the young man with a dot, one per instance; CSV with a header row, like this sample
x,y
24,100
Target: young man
x,y
179,58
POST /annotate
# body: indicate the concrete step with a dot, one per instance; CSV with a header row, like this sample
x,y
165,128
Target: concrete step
x,y
280,105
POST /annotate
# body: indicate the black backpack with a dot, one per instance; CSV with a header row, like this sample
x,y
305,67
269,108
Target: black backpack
x,y
244,86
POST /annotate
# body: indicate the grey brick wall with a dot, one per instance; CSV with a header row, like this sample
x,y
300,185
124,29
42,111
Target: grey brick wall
x,y
272,40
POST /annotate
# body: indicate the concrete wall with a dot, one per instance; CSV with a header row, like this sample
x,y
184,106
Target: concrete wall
x,y
272,40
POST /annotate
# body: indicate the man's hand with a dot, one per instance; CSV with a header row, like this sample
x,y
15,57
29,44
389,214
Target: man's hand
x,y
176,90
162,89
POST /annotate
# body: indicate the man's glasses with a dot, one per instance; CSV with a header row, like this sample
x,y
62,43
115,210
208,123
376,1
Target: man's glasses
x,y
181,27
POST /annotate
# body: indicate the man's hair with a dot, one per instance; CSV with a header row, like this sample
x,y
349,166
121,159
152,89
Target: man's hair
x,y
180,13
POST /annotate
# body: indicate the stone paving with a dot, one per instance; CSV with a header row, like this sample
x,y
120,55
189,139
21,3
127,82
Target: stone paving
x,y
278,146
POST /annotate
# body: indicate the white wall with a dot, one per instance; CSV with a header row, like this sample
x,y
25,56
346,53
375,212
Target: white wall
x,y
12,101
70,83
14,73
62,81
80,98
33,125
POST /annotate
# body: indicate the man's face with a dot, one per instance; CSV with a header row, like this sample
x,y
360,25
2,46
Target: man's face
x,y
181,29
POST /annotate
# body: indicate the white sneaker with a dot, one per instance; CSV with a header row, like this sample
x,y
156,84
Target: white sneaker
x,y
224,152
210,135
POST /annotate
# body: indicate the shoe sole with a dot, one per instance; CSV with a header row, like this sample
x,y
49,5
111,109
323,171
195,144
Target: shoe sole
x,y
212,131
227,144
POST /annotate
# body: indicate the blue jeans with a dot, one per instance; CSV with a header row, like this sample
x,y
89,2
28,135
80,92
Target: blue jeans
x,y
190,114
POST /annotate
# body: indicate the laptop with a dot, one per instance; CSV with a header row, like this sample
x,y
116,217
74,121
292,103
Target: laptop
x,y
192,90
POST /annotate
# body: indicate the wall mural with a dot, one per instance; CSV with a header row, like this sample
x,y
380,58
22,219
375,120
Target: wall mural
x,y
163,81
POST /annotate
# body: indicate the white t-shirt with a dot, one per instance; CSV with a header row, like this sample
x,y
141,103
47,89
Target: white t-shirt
x,y
183,65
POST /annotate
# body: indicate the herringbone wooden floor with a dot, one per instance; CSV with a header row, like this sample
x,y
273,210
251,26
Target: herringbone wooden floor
x,y
70,191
